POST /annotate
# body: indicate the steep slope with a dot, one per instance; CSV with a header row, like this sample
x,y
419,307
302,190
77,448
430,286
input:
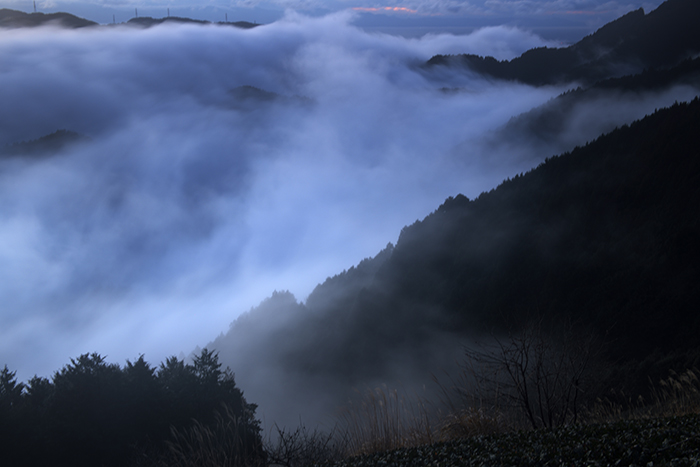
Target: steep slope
x,y
627,45
606,236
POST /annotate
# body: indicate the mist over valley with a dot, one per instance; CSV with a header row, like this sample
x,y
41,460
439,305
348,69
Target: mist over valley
x,y
187,200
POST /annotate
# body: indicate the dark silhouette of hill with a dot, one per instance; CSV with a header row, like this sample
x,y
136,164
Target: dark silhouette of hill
x,y
605,236
44,146
147,22
18,19
627,45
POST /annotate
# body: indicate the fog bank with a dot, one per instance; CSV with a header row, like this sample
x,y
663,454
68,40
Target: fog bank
x,y
194,197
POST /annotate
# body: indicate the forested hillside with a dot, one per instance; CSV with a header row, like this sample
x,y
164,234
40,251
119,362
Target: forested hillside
x,y
19,19
604,236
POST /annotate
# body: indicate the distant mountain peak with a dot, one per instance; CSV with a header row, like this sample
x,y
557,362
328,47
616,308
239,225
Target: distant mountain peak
x,y
629,44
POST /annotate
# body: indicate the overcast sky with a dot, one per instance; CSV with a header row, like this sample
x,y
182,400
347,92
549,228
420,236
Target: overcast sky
x,y
187,206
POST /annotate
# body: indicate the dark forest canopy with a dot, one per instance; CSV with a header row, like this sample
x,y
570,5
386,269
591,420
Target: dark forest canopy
x,y
95,413
627,45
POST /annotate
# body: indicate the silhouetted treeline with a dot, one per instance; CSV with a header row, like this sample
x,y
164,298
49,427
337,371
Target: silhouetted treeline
x,y
627,45
92,413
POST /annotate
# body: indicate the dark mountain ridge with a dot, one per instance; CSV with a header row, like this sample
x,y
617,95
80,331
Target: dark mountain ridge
x,y
627,45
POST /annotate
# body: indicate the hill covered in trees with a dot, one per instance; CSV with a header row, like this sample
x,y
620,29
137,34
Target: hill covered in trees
x,y
627,45
19,19
604,236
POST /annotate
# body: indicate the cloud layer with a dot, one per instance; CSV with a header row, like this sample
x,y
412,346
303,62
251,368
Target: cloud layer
x,y
195,197
190,204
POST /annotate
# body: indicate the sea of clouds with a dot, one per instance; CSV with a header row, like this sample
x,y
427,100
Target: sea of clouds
x,y
193,198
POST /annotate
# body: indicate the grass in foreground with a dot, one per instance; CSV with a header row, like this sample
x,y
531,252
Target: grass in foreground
x,y
673,441
663,431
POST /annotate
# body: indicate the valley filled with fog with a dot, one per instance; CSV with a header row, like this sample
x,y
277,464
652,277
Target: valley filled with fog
x,y
216,165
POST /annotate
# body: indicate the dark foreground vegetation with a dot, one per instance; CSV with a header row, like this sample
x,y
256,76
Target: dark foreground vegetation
x,y
664,441
96,414
92,413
